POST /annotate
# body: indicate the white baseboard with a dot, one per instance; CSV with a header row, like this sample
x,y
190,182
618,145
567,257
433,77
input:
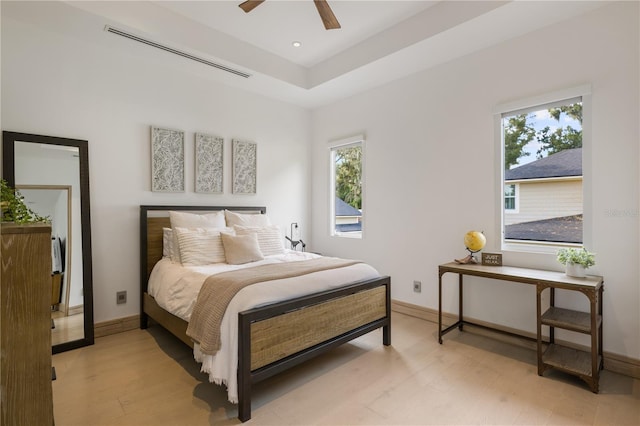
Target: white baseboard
x,y
613,362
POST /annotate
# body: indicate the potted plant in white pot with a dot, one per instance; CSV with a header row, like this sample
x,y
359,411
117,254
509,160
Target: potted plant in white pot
x,y
576,261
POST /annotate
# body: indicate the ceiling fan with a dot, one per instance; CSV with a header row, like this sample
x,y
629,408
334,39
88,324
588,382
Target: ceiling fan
x,y
328,18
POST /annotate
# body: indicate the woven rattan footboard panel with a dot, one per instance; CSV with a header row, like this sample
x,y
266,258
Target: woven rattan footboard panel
x,y
275,338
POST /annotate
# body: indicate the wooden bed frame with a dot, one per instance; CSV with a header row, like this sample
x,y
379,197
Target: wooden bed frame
x,y
266,344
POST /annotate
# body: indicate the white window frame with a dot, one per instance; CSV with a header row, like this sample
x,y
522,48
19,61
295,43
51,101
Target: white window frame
x,y
333,145
533,104
516,199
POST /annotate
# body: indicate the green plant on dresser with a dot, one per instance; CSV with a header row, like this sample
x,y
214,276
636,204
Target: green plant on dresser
x,y
14,208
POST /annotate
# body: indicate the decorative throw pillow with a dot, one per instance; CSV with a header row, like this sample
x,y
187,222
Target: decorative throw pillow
x,y
270,238
245,219
200,246
241,249
181,219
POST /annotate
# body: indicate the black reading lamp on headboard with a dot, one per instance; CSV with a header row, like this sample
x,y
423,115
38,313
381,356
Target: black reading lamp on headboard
x,y
295,237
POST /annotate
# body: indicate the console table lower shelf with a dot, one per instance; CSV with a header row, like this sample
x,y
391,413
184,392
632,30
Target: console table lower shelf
x,y
583,364
569,360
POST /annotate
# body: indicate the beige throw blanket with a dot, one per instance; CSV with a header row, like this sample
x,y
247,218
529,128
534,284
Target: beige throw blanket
x,y
218,290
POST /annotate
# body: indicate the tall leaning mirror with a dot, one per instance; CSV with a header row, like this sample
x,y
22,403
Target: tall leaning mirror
x,y
52,174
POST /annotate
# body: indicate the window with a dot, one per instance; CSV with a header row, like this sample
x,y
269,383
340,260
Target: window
x,y
347,165
542,174
510,198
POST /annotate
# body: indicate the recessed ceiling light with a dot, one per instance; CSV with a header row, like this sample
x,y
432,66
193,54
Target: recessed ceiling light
x,y
296,44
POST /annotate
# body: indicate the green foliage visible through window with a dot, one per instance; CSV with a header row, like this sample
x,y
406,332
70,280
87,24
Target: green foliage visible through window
x,y
524,132
348,162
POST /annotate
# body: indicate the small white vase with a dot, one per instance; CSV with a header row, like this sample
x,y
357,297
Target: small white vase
x,y
575,270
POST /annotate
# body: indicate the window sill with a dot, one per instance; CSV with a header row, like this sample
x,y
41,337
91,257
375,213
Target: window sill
x,y
535,247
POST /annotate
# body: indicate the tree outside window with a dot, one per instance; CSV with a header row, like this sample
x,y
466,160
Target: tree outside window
x,y
349,175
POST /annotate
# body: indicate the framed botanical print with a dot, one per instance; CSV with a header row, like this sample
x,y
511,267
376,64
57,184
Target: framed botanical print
x,y
245,158
209,152
167,160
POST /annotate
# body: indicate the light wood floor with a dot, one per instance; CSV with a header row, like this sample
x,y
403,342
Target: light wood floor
x,y
150,378
67,328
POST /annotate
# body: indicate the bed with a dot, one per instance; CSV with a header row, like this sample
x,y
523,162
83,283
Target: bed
x,y
269,337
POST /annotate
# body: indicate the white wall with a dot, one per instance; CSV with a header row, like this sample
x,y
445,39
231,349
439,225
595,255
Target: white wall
x,y
431,161
57,83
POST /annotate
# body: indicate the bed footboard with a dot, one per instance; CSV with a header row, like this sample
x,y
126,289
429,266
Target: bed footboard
x,y
279,336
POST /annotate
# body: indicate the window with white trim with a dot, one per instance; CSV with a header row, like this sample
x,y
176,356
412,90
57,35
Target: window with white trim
x,y
511,198
347,171
542,173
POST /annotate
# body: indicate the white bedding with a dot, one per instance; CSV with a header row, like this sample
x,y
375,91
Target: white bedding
x,y
175,289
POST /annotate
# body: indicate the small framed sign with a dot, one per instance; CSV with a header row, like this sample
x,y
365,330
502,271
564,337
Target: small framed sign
x,y
492,259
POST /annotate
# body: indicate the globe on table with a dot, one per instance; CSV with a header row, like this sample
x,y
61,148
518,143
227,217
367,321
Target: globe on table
x,y
474,241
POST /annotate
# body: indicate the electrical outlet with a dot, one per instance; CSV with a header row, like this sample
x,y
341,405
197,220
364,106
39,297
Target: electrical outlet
x,y
121,297
417,286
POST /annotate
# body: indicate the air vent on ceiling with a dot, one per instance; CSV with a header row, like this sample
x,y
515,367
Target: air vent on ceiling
x,y
134,37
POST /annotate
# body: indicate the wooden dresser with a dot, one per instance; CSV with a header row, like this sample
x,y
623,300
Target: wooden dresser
x,y
25,327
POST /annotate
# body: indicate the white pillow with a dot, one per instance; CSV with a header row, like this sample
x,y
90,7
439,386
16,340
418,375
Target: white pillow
x,y
244,219
195,220
241,249
181,219
200,246
270,238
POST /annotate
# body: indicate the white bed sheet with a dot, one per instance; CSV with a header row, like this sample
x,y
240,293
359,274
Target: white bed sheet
x,y
175,289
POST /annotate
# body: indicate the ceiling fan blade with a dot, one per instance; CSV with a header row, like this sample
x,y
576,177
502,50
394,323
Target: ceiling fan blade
x,y
328,18
249,5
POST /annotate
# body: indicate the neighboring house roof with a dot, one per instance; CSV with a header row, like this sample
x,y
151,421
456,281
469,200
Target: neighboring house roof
x,y
561,164
344,209
349,227
566,229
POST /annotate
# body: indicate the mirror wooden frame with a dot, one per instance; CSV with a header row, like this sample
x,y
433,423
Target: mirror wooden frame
x,y
8,165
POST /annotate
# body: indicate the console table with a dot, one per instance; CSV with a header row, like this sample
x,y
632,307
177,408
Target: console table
x,y
584,364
